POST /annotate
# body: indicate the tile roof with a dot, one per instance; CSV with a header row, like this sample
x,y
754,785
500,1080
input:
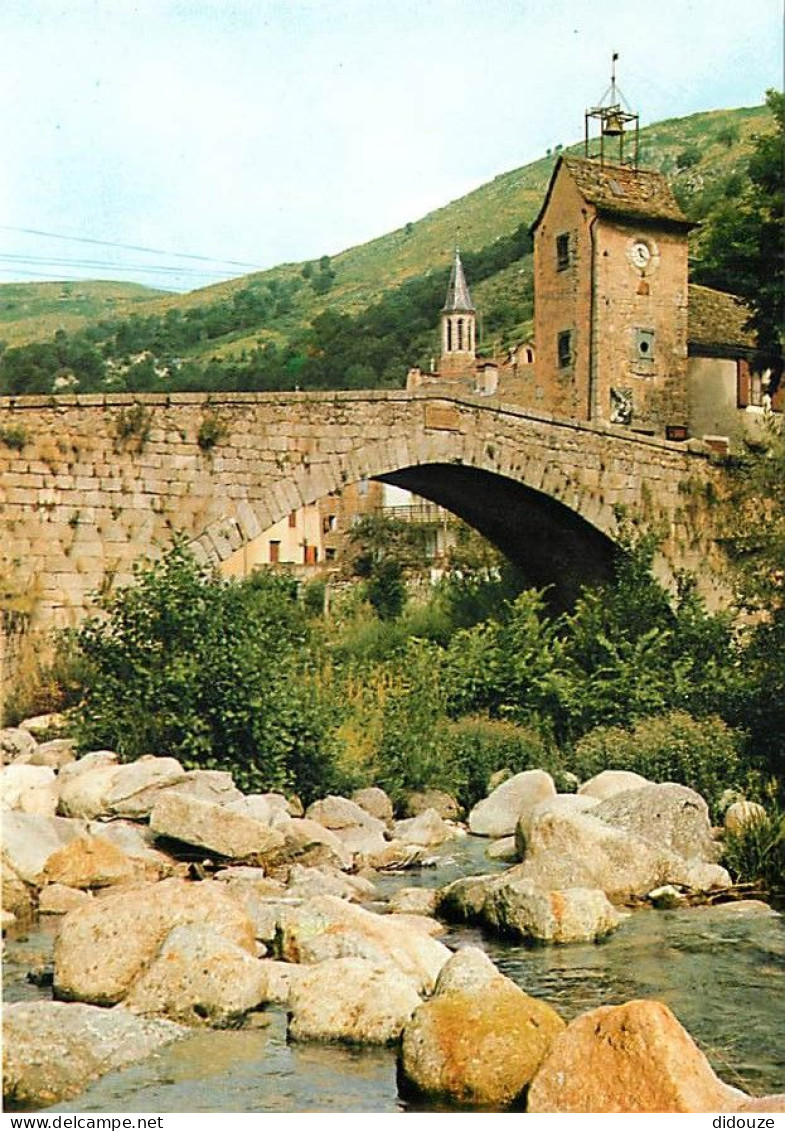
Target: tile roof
x,y
624,190
458,297
716,320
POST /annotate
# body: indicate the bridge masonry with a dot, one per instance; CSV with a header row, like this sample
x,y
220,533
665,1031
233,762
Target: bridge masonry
x,y
89,484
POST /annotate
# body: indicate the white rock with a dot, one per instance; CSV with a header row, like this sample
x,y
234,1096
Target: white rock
x,y
610,782
352,1000
30,789
669,816
15,742
427,829
30,839
517,907
214,827
498,814
561,803
743,813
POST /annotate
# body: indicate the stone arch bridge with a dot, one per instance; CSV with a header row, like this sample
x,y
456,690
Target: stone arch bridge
x,y
88,484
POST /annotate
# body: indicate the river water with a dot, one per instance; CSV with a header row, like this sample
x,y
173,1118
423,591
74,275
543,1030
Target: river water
x,y
721,972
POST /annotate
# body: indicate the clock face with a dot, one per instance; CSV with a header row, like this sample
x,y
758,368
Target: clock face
x,y
640,254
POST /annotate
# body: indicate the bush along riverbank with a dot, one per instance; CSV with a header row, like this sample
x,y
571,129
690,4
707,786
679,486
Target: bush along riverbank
x,y
184,903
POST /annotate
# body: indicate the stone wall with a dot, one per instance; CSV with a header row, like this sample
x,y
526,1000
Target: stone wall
x,y
101,481
13,632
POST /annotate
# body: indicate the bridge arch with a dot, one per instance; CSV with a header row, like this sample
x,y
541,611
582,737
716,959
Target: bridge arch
x,y
535,511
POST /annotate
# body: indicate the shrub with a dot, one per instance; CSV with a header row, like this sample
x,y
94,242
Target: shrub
x,y
478,747
700,753
208,671
756,852
14,438
212,431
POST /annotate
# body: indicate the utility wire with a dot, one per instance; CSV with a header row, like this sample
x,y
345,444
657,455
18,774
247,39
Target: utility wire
x,y
129,247
32,260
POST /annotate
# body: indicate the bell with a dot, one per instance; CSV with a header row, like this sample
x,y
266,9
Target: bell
x,y
612,125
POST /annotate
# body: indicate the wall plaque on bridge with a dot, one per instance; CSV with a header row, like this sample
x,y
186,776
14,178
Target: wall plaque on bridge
x,y
443,416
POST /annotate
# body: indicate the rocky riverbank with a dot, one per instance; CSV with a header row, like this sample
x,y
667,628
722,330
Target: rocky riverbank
x,y
183,904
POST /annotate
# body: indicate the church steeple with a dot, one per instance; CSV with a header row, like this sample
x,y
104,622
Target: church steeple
x,y
458,325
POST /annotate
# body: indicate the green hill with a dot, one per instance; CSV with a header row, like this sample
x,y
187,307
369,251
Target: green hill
x,y
272,329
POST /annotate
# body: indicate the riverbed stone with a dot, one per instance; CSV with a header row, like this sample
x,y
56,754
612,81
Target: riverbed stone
x,y
206,824
741,814
463,899
444,803
137,842
468,969
52,725
630,1058
30,789
427,829
29,839
327,927
18,897
374,801
498,814
206,785
670,816
610,782
477,1048
84,784
14,743
414,901
198,977
307,842
361,841
90,862
505,849
560,803
515,906
53,1050
136,786
338,813
57,899
305,883
352,1000
102,948
56,753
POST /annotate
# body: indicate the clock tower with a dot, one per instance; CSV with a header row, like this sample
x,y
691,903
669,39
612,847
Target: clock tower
x,y
610,269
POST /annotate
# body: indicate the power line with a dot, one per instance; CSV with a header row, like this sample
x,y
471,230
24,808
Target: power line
x,y
67,278
99,263
129,247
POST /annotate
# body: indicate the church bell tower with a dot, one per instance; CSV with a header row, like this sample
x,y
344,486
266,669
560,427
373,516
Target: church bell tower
x,y
458,346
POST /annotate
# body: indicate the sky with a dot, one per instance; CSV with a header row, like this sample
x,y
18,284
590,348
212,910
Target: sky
x,y
217,137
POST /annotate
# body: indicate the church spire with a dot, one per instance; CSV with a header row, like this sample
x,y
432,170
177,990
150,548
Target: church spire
x,y
458,326
458,298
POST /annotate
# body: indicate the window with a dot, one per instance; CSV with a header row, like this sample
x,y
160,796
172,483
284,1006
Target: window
x,y
644,344
330,554
292,519
329,523
310,555
562,251
275,552
564,348
460,333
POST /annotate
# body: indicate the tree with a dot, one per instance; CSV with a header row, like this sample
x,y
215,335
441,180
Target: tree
x,y
742,248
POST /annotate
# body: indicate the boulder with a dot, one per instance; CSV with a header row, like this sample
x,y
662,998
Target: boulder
x,y
374,801
477,1047
396,856
743,813
136,786
103,947
310,843
30,789
52,1051
207,785
427,829
84,784
469,970
505,849
414,901
463,900
15,742
340,813
561,803
498,814
304,883
198,977
610,782
444,803
17,896
577,850
208,825
136,841
89,862
669,816
326,927
255,806
630,1058
56,753
30,839
361,841
57,899
42,727
517,907
352,1000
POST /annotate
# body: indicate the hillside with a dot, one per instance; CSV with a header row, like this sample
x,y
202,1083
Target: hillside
x,y
258,331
